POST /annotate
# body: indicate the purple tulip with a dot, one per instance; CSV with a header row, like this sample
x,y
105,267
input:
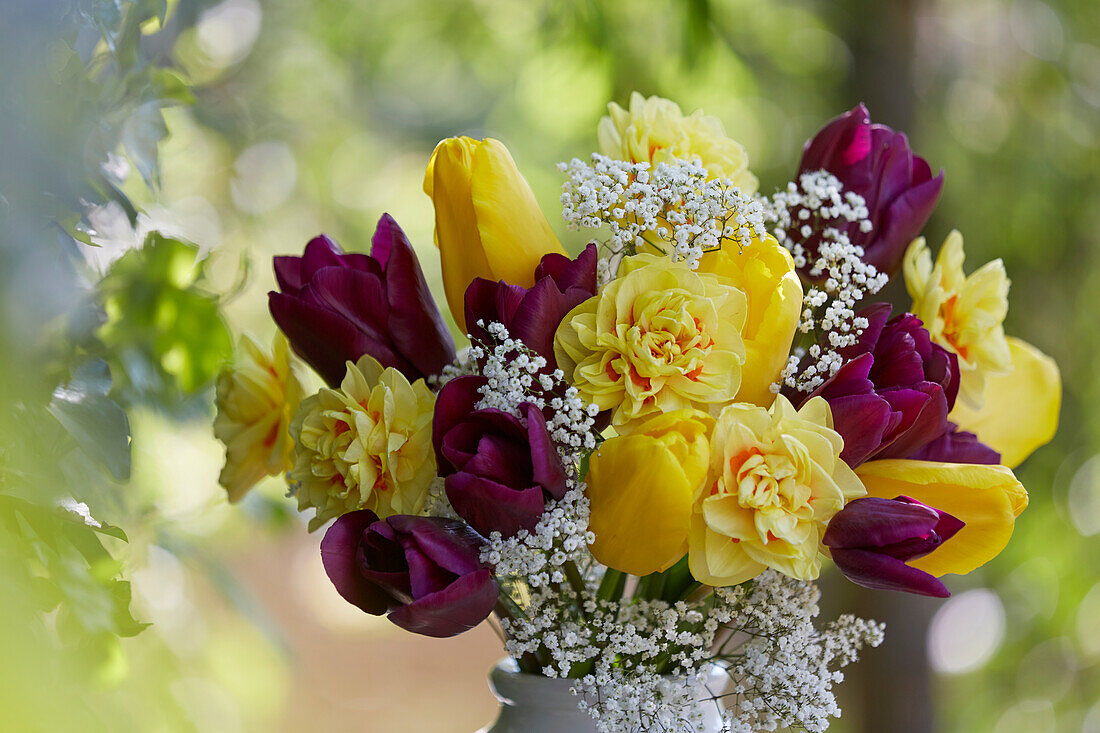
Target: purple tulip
x,y
876,163
424,572
958,446
498,472
533,314
872,539
892,395
335,307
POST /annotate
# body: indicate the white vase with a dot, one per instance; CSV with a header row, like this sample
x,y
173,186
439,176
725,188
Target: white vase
x,y
531,703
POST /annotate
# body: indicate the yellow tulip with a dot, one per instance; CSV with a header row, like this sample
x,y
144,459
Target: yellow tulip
x,y
765,272
256,401
487,222
1020,409
641,487
987,498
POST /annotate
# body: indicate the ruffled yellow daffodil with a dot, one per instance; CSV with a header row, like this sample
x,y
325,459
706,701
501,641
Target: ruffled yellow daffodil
x,y
658,338
487,221
366,445
1020,409
775,481
256,401
765,272
654,130
641,488
964,314
1010,392
987,498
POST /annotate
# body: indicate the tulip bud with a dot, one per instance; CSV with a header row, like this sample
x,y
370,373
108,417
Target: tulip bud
x,y
872,539
487,221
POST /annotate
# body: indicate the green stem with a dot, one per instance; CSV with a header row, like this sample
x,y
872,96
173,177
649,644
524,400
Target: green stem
x,y
576,581
612,585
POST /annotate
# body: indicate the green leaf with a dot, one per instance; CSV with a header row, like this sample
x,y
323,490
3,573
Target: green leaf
x,y
141,136
95,421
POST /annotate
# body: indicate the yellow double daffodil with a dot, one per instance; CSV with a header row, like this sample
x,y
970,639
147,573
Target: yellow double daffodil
x,y
1011,392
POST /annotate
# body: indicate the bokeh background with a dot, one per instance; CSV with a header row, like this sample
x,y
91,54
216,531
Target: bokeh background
x,y
154,154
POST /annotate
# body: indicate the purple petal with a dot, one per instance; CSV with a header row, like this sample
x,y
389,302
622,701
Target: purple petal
x,y
459,607
872,570
925,410
874,522
323,339
415,324
463,442
956,446
453,403
321,251
491,507
547,468
359,297
338,555
425,576
863,421
901,223
449,543
288,273
567,273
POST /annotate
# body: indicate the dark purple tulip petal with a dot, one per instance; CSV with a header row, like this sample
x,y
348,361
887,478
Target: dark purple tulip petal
x,y
339,550
323,338
871,540
419,332
877,522
878,164
882,572
547,468
452,405
335,307
492,507
891,396
957,446
424,572
459,607
532,315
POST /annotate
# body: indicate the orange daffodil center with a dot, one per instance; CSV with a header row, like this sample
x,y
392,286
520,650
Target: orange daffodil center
x,y
661,337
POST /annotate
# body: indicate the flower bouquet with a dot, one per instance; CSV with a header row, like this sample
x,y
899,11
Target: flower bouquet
x,y
647,452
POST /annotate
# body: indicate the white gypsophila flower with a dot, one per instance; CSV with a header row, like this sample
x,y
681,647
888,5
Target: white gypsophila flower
x,y
670,208
639,662
803,219
464,365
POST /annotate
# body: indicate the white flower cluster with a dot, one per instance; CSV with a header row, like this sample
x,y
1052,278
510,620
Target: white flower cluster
x,y
784,670
671,208
464,365
516,375
804,218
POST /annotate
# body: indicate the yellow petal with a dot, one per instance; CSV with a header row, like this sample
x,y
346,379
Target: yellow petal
x,y
1020,409
717,560
765,272
987,498
487,222
514,232
641,505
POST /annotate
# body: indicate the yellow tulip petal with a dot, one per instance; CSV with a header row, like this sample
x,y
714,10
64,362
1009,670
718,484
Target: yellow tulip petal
x,y
987,498
514,232
448,182
1020,409
765,272
641,505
